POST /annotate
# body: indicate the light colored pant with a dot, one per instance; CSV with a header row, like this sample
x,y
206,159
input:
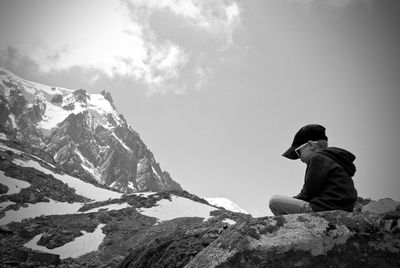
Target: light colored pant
x,y
282,205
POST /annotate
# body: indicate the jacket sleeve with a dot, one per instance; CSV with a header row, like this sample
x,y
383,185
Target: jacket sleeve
x,y
315,178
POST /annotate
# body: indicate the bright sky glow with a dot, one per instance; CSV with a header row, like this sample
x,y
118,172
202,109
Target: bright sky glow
x,y
119,39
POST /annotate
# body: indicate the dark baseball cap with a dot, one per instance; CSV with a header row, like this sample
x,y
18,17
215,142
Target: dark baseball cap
x,y
312,132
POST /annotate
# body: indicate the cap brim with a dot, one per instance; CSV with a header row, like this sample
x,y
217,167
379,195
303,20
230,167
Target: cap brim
x,y
290,153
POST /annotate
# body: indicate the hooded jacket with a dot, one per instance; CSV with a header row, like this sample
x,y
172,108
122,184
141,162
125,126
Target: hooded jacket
x,y
328,183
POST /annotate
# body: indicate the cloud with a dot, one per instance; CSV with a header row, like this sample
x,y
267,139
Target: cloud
x,y
117,38
202,75
217,17
162,68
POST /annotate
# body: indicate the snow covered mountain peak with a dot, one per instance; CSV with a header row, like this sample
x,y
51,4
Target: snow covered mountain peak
x,y
10,81
83,132
225,203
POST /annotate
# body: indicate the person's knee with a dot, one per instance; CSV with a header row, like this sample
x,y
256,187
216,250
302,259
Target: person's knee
x,y
274,203
275,199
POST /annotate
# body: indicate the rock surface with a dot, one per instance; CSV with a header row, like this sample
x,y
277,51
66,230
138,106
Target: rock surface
x,y
325,239
382,206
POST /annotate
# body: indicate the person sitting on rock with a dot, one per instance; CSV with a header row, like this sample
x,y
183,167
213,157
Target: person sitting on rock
x,y
328,183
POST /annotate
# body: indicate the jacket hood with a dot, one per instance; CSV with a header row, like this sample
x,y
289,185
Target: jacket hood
x,y
342,157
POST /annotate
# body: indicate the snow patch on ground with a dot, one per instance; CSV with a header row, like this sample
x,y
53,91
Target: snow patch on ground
x,y
6,204
6,148
229,221
3,136
177,208
35,210
82,188
226,204
14,185
109,207
81,245
50,208
145,194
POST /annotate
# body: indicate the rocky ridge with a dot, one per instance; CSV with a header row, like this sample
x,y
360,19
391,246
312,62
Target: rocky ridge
x,y
369,237
31,235
82,132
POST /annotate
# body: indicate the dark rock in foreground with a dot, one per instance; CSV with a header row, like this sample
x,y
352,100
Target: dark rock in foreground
x,y
36,257
326,239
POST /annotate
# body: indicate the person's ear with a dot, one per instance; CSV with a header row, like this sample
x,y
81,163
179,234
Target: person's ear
x,y
312,146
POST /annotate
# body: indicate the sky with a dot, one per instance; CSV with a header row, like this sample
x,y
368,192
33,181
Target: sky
x,y
218,88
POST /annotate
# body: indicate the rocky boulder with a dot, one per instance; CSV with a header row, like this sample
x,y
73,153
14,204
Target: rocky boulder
x,y
324,239
385,205
57,238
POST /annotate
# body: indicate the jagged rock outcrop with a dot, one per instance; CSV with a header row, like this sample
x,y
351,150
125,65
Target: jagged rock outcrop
x,y
47,217
177,247
82,132
325,239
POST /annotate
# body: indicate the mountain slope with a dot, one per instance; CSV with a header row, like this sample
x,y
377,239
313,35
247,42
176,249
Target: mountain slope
x,y
48,217
82,132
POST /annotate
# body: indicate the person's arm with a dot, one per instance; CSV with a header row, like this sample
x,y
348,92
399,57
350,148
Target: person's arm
x,y
315,179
